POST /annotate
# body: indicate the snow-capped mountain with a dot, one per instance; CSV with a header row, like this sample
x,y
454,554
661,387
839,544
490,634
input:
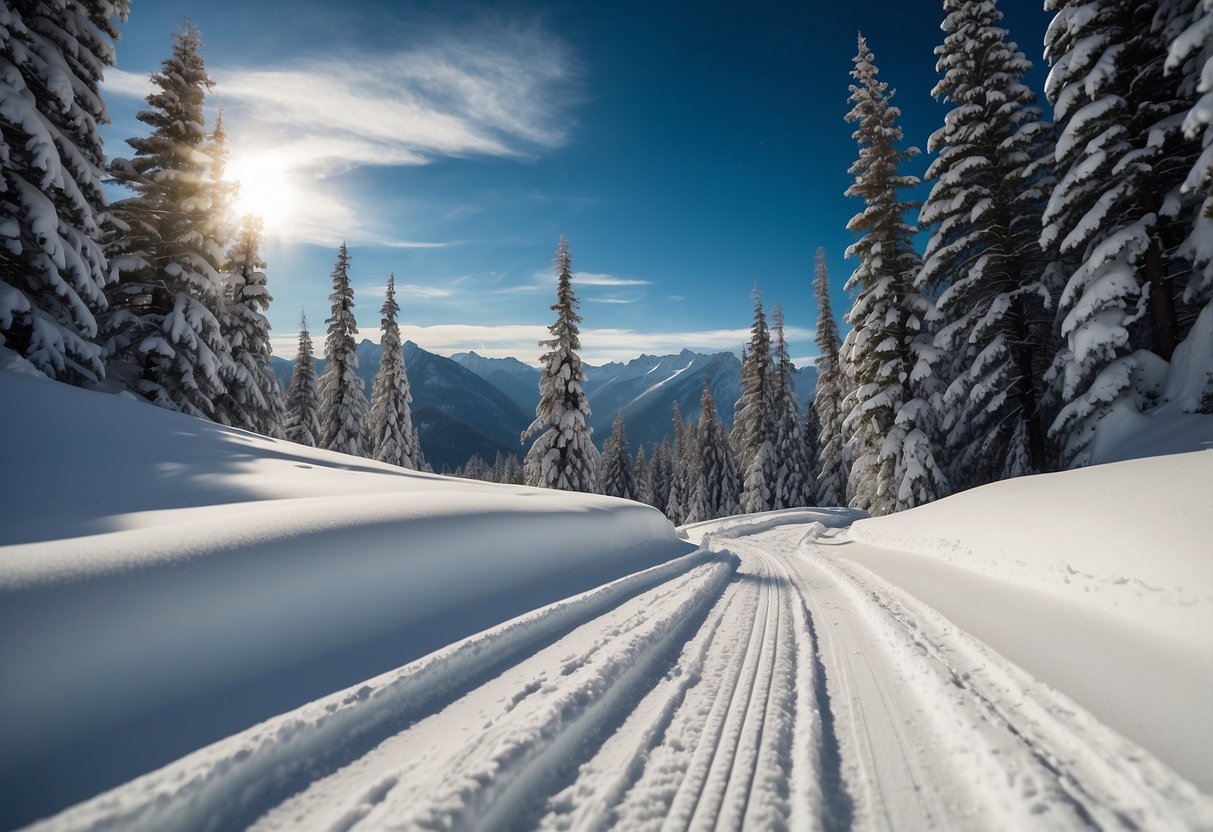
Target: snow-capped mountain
x,y
644,389
469,404
457,412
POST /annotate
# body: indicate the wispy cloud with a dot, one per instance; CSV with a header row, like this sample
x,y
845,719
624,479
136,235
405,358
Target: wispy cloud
x,y
503,93
593,279
612,300
598,345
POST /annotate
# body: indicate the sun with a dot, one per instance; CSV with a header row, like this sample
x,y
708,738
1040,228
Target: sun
x,y
265,188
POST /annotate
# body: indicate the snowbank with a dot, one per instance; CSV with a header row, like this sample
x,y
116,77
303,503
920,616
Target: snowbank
x,y
1132,539
165,581
1098,582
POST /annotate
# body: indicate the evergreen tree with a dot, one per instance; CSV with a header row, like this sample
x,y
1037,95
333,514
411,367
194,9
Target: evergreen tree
x,y
719,486
791,485
982,259
661,477
512,474
889,470
393,439
644,484
827,408
52,268
811,431
163,336
251,399
753,421
618,478
563,455
474,469
343,405
302,419
1190,60
1117,209
679,498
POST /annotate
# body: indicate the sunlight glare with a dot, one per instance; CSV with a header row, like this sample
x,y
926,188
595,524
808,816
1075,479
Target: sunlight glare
x,y
265,188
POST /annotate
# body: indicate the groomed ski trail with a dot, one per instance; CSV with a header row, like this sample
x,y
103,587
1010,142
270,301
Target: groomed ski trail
x,y
762,683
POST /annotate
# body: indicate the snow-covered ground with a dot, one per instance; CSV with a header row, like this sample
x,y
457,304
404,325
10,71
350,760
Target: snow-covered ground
x,y
166,581
327,643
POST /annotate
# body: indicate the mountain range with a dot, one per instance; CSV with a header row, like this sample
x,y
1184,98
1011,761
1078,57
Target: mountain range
x,y
469,405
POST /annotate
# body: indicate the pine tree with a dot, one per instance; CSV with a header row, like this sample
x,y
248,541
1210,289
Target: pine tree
x,y
343,405
52,267
1118,208
393,439
982,259
753,421
301,422
162,330
563,455
719,487
618,478
644,483
251,399
889,439
811,431
679,497
827,407
791,485
512,474
661,477
1190,61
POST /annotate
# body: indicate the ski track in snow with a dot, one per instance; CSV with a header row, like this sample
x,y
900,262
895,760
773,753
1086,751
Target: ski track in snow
x,y
760,682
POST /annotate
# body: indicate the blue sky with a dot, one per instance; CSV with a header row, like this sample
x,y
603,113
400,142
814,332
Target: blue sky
x,y
688,152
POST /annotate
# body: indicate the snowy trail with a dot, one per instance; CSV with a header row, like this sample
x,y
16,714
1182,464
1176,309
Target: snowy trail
x,y
761,683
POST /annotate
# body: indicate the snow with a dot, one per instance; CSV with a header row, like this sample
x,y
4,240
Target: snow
x,y
1078,577
228,577
1174,425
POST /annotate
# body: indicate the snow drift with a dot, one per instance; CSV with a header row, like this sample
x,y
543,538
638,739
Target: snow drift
x,y
166,581
1129,538
1098,582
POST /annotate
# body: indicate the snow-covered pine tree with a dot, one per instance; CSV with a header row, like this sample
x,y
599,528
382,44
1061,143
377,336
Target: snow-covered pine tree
x,y
1190,59
827,407
892,465
52,209
343,404
718,491
644,482
982,260
618,478
661,477
811,431
301,422
393,438
753,420
791,487
474,469
677,501
562,455
162,333
1117,208
512,474
252,399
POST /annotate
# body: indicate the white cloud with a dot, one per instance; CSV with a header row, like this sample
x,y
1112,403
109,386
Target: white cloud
x,y
503,92
593,279
521,341
612,300
127,84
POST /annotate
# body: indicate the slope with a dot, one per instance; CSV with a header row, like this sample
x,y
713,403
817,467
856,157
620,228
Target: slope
x,y
195,579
